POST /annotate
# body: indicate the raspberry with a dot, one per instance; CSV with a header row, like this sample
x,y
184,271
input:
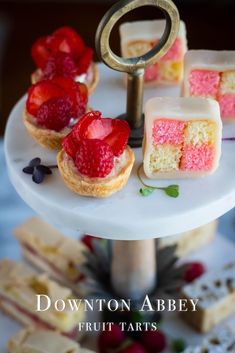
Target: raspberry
x,y
94,158
110,339
55,113
41,52
70,145
84,61
67,40
153,341
134,347
77,92
88,241
60,64
193,271
40,93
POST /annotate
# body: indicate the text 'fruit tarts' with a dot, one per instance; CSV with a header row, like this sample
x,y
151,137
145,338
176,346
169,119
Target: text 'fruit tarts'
x,y
95,159
64,53
52,107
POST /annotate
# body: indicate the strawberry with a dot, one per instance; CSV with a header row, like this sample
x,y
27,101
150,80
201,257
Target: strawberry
x,y
67,40
193,271
55,113
119,136
84,61
111,339
41,52
153,341
70,145
40,93
59,64
94,158
77,91
113,131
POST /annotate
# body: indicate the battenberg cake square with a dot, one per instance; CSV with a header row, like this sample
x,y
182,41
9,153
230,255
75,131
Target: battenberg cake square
x,y
211,74
182,137
139,37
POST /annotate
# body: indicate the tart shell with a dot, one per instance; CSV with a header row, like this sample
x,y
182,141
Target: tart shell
x,y
36,76
46,138
95,187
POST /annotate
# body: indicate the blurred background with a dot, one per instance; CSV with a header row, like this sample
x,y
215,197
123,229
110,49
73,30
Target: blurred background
x,y
210,25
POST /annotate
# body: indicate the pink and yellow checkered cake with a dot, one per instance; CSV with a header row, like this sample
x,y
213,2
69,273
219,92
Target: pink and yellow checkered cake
x,y
138,37
211,74
182,137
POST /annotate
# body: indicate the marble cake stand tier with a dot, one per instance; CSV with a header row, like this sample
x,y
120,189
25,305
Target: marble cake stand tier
x,y
126,215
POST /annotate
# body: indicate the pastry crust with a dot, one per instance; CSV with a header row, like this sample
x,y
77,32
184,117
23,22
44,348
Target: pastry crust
x,y
36,76
102,187
45,137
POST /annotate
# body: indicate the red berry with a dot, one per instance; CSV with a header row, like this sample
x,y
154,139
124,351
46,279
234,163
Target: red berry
x,y
110,339
119,137
88,241
113,131
134,347
94,158
60,64
77,92
84,61
70,145
40,93
193,271
153,341
41,52
55,113
67,40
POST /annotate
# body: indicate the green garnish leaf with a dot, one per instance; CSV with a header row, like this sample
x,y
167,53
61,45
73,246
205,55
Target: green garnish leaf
x,y
146,191
178,345
172,190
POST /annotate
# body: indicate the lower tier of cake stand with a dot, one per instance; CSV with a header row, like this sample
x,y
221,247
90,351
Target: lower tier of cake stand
x,y
215,255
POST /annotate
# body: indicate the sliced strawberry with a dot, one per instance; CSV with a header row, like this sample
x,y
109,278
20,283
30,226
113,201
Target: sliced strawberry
x,y
82,125
67,40
119,136
77,91
41,52
70,145
113,131
84,61
40,93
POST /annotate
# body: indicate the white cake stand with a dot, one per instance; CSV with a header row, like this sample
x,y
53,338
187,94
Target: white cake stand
x,y
126,215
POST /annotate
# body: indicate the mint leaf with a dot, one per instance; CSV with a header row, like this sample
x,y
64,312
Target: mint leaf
x,y
178,345
172,190
146,191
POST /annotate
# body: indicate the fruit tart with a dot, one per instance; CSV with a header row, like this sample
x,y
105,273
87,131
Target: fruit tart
x,y
52,107
96,160
64,53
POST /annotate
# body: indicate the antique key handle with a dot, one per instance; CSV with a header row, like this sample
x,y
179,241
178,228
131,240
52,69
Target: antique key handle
x,y
135,66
